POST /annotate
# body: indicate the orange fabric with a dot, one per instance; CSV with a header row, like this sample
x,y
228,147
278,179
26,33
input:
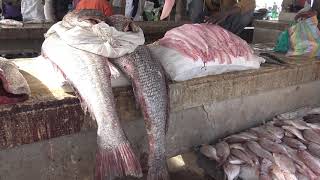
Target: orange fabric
x,y
102,5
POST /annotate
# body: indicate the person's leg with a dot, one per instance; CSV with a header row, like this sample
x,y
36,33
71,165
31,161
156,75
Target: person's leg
x,y
196,11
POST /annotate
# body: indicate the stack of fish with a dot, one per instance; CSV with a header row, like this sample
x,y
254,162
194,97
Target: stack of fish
x,y
281,149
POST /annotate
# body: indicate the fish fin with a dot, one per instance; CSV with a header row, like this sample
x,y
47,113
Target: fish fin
x,y
118,162
159,171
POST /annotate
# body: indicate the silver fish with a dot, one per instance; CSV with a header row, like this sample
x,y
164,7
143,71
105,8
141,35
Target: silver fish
x,y
210,152
242,155
249,172
272,146
294,131
237,146
304,170
263,133
259,151
151,91
310,161
284,163
294,143
315,126
235,161
278,132
314,149
311,136
223,151
90,76
13,86
293,154
298,124
240,138
265,169
277,173
232,171
302,177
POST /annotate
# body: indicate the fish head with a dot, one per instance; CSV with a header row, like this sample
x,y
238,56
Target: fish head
x,y
122,23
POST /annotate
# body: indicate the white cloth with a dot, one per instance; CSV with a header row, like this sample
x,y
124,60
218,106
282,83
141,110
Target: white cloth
x,y
32,10
100,39
129,8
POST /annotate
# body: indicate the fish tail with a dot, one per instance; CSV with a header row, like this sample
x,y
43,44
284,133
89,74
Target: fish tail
x,y
118,162
159,172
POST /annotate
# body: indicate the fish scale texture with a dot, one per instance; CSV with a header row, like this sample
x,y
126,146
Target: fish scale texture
x,y
150,89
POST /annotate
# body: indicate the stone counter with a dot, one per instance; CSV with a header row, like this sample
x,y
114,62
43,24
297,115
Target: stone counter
x,y
51,132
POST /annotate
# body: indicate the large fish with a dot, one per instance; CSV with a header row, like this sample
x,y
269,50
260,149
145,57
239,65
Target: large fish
x,y
13,86
90,76
310,161
151,92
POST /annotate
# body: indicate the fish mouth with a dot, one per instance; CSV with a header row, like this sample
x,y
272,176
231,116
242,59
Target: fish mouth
x,y
9,98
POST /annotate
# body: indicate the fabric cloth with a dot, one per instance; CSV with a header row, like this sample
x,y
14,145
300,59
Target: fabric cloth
x,y
102,5
11,12
32,10
129,8
100,39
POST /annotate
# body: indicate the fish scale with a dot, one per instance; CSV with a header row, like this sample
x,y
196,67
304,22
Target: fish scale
x,y
150,89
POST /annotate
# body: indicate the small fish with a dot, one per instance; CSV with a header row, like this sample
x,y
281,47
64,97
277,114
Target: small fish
x,y
242,155
278,132
311,136
294,131
290,176
235,161
314,126
298,124
253,156
312,118
272,146
310,161
303,169
293,154
240,138
262,133
265,169
294,143
249,172
278,174
237,146
289,134
284,163
295,114
259,151
210,152
223,151
302,177
232,171
314,149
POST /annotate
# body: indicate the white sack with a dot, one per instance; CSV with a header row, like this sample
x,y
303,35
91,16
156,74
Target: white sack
x,y
182,68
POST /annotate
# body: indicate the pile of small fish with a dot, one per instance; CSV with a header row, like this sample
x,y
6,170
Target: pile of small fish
x,y
284,149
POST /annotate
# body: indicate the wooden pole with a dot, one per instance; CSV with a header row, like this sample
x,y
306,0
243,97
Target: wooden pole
x,y
181,8
123,7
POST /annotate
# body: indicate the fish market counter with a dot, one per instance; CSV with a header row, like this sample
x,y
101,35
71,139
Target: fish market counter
x,y
30,37
49,136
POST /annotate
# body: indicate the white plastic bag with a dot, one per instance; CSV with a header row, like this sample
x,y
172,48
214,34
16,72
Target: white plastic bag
x,y
32,10
182,68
